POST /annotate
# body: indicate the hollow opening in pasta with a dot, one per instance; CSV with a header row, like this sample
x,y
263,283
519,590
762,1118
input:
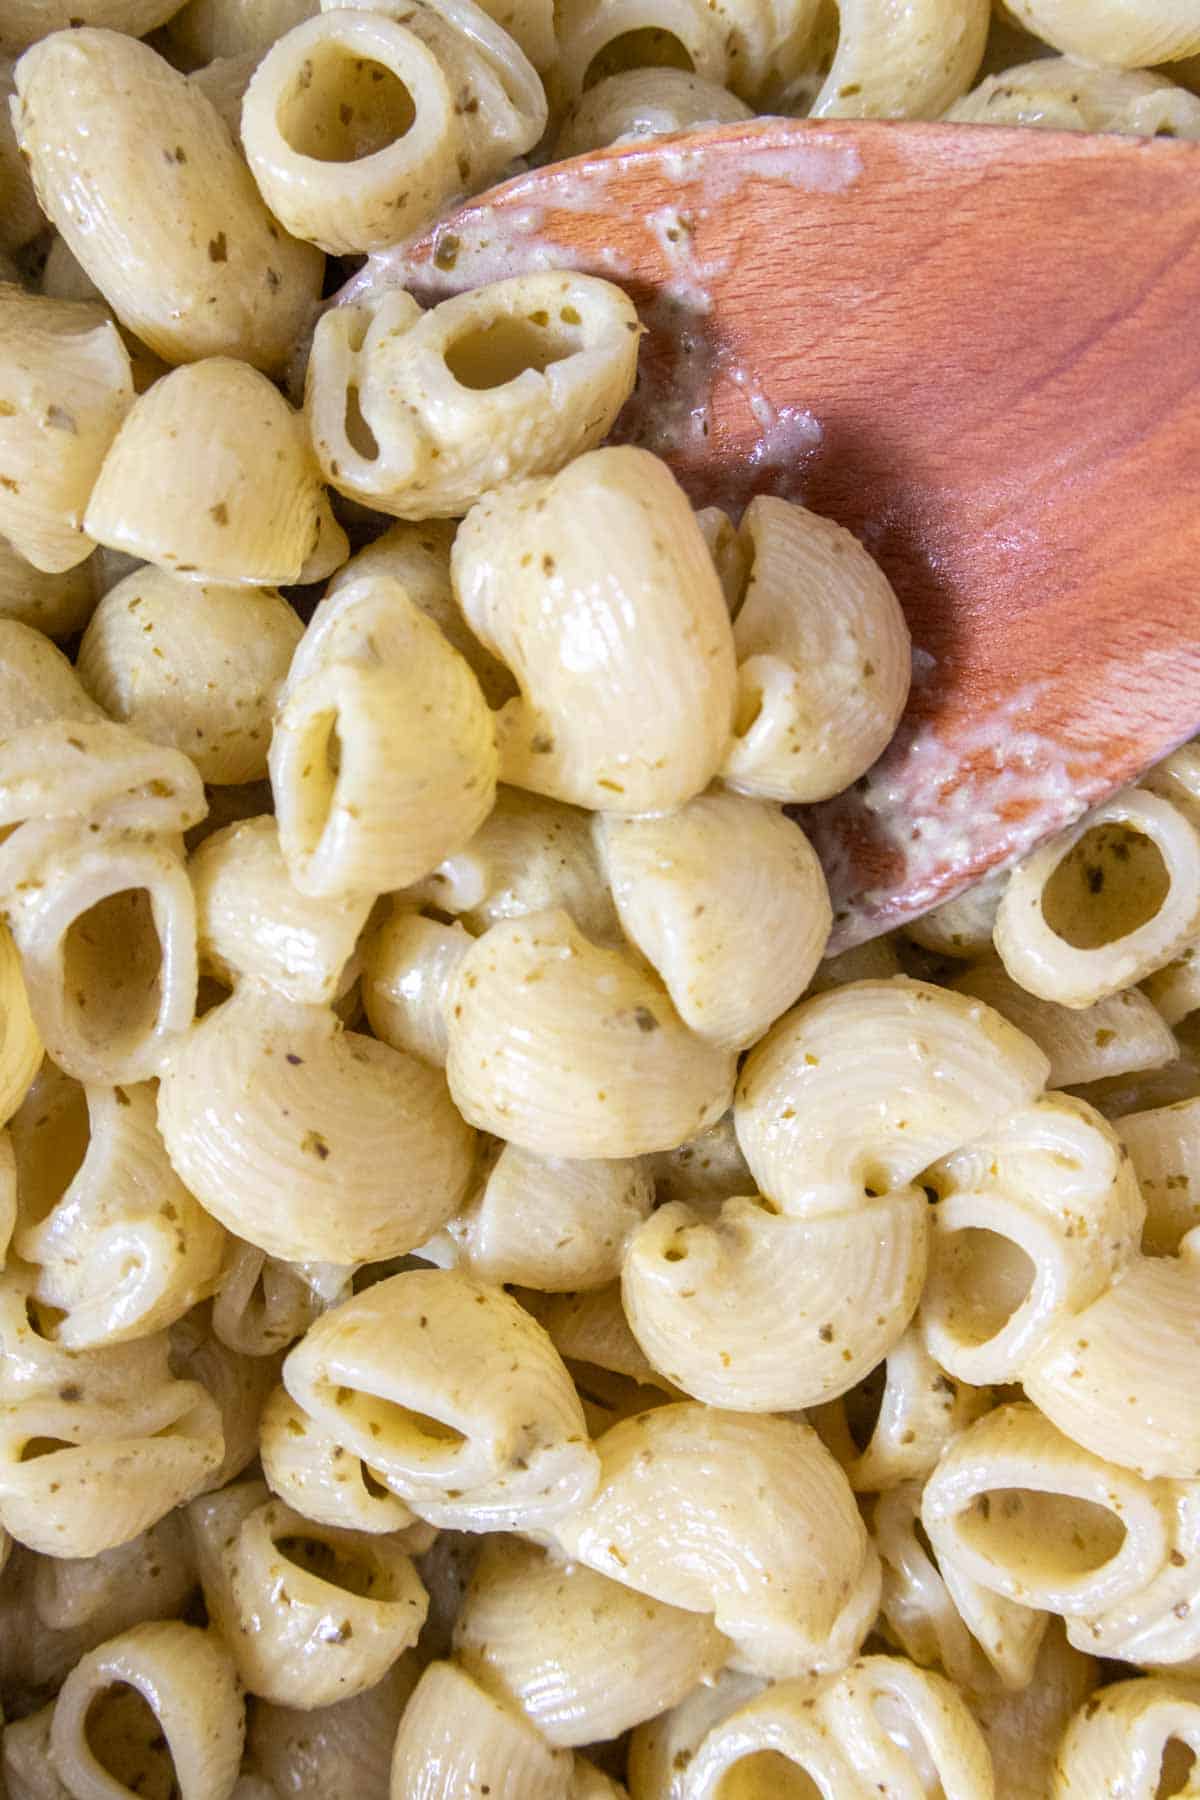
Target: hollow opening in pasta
x,y
358,1575
322,761
1041,1539
112,970
749,707
1178,1762
863,1405
342,108
1109,884
50,1147
124,1735
492,355
764,1774
359,436
37,1447
43,1320
374,1487
649,47
414,1436
990,1277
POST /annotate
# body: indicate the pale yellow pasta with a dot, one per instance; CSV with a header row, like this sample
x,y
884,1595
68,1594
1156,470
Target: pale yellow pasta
x,y
37,683
1104,903
1128,34
207,29
641,103
454,1396
1156,1625
823,653
94,1445
903,65
197,668
612,647
123,1249
263,1304
1023,1730
595,41
549,1222
362,123
310,1471
862,1088
254,924
920,1409
23,22
418,557
28,1771
661,1751
93,772
961,927
20,215
243,505
972,1635
191,261
384,756
1164,1148
570,1049
1134,1738
310,1141
727,547
106,927
744,1517
354,1602
590,1783
159,1703
509,380
700,890
1060,93
1118,1376
591,1328
58,604
223,83
703,1170
454,1738
238,1383
581,1656
340,1752
97,1597
407,968
1035,1220
530,853
1029,1515
1175,988
20,1044
1117,1035
763,1312
67,387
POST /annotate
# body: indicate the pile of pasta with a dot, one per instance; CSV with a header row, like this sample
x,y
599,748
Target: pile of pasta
x,y
487,1305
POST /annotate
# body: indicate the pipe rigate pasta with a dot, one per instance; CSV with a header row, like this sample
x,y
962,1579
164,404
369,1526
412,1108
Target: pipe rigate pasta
x,y
1119,1034
508,380
384,756
306,1466
594,42
93,109
1024,1729
661,1750
238,1384
962,927
310,1141
641,103
1035,1220
245,507
20,1044
354,1602
741,1516
698,889
37,683
123,1250
1061,93
67,388
23,22
407,968
1164,1147
596,587
583,1657
1055,935
906,66
342,1752
360,126
570,1049
1133,1737
454,1736
454,1396
824,660
1126,34
263,1305
58,604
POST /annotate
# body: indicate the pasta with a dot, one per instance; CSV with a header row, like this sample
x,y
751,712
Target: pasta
x,y
407,968
1117,32
1142,1734
1164,1148
1116,1035
57,604
1063,94
646,103
192,262
453,1733
1023,1729
341,1752
510,380
207,29
655,664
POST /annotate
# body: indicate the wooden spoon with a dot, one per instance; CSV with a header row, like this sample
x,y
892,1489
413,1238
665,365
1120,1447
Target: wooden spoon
x,y
977,348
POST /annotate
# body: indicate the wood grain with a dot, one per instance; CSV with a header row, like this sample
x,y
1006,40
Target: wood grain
x,y
997,334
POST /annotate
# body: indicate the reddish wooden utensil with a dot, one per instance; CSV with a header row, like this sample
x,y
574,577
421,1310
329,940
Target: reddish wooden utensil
x,y
980,350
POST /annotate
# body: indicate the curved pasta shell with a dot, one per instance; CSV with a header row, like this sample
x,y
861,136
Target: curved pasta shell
x,y
509,380
311,1472
407,968
883,68
1066,94
312,1614
1164,1148
824,659
867,1085
1120,33
267,1101
90,770
1115,1036
239,1384
58,604
568,1049
343,1751
896,1722
263,1304
742,1516
37,683
645,103
454,1396
768,1314
584,32
596,587
701,890
93,109
1120,1739
454,1736
254,923
20,1044
246,509
1024,1729
582,1657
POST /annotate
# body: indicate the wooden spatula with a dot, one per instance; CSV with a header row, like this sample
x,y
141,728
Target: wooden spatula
x,y
977,348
